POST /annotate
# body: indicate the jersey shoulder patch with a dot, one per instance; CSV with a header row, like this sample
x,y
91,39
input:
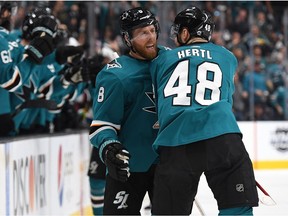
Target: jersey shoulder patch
x,y
164,48
113,64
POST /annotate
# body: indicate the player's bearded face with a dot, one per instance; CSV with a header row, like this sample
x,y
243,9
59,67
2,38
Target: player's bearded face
x,y
144,42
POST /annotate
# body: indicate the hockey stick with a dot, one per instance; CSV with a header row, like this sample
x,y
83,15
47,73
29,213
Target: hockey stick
x,y
202,213
266,199
37,103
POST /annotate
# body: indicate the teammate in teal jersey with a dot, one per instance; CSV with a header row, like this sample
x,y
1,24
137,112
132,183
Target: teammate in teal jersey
x,y
16,64
198,132
124,125
14,73
41,82
6,121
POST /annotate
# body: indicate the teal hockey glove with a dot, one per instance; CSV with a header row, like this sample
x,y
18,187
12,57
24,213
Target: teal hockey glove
x,y
116,159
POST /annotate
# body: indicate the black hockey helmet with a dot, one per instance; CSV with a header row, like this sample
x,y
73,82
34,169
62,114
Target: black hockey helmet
x,y
28,25
199,23
136,18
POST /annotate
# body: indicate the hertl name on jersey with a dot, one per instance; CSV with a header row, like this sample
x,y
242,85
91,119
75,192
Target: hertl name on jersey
x,y
194,52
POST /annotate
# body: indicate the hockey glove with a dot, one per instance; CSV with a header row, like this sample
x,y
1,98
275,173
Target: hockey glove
x,y
116,159
94,65
76,74
40,47
66,54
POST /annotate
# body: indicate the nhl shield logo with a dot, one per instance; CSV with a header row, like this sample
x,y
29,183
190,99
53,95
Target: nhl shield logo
x,y
240,187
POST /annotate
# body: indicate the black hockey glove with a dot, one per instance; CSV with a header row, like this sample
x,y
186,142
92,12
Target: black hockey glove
x,y
66,54
40,47
95,65
76,74
116,159
42,33
45,23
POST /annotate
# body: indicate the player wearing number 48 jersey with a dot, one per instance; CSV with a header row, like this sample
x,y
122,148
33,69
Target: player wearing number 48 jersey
x,y
191,78
198,132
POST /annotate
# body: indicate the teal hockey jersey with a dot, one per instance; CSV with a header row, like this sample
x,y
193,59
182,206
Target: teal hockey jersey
x,y
15,70
5,105
193,88
124,110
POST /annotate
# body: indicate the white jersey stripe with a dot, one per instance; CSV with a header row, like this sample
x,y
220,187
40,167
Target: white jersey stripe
x,y
101,129
97,122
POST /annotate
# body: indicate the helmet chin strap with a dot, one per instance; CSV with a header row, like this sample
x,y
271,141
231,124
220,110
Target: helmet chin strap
x,y
132,49
129,43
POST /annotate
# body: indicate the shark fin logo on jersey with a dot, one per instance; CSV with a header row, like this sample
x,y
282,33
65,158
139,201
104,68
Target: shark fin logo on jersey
x,y
152,108
26,91
113,64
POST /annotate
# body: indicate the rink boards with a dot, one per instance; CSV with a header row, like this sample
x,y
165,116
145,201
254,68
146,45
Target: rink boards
x,y
47,175
266,143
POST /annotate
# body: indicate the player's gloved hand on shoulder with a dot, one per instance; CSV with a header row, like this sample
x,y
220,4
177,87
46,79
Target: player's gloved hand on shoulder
x,y
68,54
116,159
41,44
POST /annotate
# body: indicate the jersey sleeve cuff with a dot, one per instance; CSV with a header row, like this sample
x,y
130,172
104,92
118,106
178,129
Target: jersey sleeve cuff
x,y
103,145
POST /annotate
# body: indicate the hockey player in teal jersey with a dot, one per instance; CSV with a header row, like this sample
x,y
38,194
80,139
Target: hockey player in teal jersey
x,y
14,73
42,81
124,125
6,121
16,63
198,132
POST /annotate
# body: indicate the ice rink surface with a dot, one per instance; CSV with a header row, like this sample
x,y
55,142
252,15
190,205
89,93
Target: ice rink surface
x,y
275,182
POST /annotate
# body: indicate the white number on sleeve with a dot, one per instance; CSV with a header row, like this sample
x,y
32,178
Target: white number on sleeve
x,y
6,56
101,94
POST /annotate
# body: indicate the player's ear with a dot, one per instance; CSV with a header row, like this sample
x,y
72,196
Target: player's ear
x,y
127,39
185,35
